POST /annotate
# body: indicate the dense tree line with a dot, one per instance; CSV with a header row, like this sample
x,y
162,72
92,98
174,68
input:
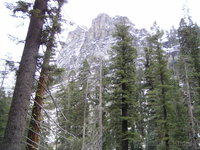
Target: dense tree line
x,y
154,105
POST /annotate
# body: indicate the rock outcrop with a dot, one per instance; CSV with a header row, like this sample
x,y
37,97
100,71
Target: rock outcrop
x,y
96,41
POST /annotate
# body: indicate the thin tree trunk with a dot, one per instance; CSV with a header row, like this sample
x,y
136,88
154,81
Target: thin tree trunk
x,y
25,79
166,128
124,108
165,113
68,98
193,137
56,137
84,118
36,112
163,92
4,73
33,133
100,110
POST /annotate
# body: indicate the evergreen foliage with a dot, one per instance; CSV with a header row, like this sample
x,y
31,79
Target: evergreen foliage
x,y
189,39
4,109
123,105
162,102
75,106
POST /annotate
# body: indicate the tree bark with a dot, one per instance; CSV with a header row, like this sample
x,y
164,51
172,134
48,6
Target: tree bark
x,y
84,118
33,133
193,134
165,113
4,73
124,108
25,79
100,110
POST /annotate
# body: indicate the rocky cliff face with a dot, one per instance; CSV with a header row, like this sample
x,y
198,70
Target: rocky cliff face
x,y
96,42
91,43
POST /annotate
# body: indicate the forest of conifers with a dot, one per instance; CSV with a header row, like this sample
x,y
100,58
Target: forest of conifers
x,y
124,103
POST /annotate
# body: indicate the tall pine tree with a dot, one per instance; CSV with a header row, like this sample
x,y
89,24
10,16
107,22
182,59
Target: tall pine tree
x,y
25,78
189,39
161,100
123,82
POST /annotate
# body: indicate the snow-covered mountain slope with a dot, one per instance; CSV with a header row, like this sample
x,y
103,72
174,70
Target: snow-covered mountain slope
x,y
96,42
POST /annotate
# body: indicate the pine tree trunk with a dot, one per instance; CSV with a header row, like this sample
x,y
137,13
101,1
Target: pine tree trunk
x,y
193,135
4,73
166,128
165,113
25,79
100,110
84,118
124,108
34,131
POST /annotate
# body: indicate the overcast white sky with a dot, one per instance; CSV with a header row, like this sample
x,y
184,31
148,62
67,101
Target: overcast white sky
x,y
141,12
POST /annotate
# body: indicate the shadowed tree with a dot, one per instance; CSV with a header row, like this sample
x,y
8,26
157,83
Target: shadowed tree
x,y
33,133
123,81
189,39
25,79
